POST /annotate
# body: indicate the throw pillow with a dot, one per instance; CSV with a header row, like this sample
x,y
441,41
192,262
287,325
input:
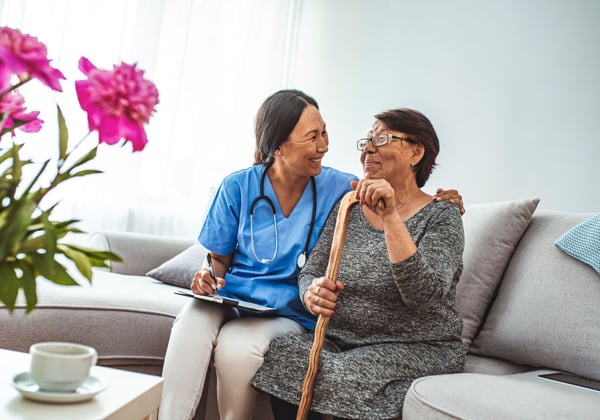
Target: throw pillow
x,y
583,242
492,231
179,270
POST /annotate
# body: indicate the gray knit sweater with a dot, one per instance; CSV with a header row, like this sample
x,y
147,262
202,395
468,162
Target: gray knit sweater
x,y
394,322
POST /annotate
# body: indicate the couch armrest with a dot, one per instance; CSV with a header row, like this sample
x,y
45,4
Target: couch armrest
x,y
140,252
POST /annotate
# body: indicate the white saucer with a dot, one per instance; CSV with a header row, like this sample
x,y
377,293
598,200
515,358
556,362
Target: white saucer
x,y
29,389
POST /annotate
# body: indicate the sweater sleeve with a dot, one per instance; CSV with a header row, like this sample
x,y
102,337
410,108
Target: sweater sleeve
x,y
427,276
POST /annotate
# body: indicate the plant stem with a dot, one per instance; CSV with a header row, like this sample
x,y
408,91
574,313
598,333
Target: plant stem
x,y
15,87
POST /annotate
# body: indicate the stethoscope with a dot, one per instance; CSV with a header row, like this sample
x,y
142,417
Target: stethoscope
x,y
302,257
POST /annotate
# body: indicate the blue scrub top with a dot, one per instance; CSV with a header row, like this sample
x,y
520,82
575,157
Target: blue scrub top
x,y
226,231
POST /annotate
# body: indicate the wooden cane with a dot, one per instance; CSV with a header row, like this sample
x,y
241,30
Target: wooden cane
x,y
335,256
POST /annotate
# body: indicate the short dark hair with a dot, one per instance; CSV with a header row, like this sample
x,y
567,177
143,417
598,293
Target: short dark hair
x,y
419,130
276,119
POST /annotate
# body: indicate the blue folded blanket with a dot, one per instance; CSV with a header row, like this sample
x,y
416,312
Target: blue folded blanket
x,y
583,242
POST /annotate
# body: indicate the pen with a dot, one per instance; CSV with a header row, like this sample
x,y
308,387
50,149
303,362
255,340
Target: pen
x,y
212,270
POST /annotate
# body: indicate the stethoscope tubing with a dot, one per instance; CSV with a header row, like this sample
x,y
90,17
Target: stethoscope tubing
x,y
263,197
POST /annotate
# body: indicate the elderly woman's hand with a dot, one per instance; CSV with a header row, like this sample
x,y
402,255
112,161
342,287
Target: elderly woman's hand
x,y
376,194
321,297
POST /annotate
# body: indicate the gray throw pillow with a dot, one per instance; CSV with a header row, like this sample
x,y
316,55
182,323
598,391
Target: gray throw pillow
x,y
179,270
492,231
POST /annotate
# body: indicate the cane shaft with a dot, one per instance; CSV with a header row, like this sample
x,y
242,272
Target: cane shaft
x,y
335,256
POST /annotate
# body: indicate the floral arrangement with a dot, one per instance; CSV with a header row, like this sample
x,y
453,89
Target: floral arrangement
x,y
118,103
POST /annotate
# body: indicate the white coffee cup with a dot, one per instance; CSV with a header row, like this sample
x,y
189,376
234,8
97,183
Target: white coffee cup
x,y
60,366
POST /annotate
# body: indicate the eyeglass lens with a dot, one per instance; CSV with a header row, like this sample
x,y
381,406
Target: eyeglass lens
x,y
379,140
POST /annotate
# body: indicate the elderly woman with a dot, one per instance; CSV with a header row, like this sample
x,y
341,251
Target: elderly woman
x,y
393,311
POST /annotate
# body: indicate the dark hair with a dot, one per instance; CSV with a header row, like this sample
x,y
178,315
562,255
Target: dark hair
x,y
419,129
276,119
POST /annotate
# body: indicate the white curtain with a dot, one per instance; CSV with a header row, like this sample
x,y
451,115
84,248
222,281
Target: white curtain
x,y
213,62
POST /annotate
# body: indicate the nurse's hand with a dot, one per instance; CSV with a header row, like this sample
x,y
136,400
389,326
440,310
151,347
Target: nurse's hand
x,y
321,297
204,284
452,196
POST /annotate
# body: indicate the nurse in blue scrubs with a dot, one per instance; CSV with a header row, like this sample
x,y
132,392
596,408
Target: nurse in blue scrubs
x,y
262,223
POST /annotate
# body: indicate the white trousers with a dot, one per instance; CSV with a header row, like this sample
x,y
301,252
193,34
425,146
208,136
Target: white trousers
x,y
203,331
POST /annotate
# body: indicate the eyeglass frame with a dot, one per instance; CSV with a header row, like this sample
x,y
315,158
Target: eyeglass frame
x,y
389,137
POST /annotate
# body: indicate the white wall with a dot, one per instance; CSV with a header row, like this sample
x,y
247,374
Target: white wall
x,y
511,86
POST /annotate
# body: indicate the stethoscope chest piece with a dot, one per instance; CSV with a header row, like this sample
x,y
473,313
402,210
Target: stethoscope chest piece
x,y
301,260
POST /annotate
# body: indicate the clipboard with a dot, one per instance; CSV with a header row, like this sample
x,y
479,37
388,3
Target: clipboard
x,y
222,300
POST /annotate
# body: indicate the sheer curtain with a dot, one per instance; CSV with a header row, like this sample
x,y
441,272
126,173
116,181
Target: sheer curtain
x,y
213,61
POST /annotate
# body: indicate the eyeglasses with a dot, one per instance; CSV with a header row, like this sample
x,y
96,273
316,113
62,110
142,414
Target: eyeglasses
x,y
382,139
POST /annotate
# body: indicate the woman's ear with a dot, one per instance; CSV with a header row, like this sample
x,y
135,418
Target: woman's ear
x,y
418,153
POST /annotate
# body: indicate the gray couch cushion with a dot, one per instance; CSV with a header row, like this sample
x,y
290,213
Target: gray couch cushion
x,y
547,310
498,397
492,230
492,365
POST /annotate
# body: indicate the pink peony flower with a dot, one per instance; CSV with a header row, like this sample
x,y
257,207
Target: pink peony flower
x,y
25,56
12,109
118,102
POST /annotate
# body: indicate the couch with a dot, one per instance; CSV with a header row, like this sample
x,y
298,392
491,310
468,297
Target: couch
x,y
538,313
528,308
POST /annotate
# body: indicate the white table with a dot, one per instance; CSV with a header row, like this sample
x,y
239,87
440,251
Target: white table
x,y
129,395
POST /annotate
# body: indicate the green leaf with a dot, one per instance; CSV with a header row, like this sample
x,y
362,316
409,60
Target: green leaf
x,y
3,219
86,172
50,237
19,216
63,135
82,262
9,153
34,180
95,254
17,165
91,155
52,270
32,244
94,258
29,286
37,223
43,263
9,285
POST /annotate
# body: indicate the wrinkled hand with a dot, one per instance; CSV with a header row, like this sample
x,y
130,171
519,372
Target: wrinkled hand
x,y
204,284
451,196
377,194
321,297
